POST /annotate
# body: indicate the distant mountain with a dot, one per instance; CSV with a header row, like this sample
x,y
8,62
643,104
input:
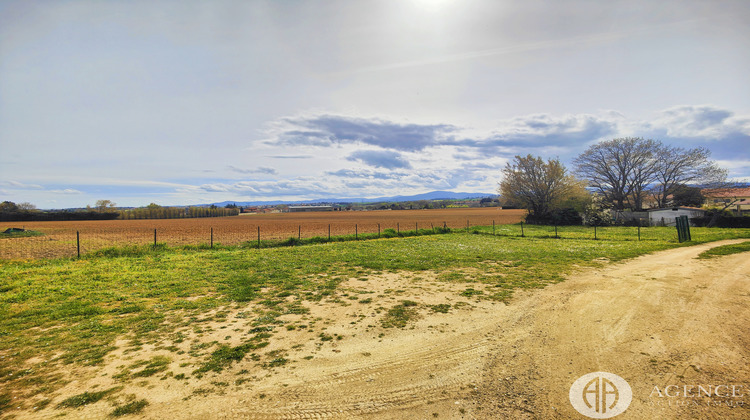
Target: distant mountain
x,y
434,195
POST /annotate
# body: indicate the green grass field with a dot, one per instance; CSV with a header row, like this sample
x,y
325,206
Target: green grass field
x,y
71,311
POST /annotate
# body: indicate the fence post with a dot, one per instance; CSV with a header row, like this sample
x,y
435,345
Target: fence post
x,y
493,227
78,243
154,238
329,231
212,238
416,227
556,237
378,230
258,237
356,232
522,235
467,225
398,228
299,232
594,232
639,231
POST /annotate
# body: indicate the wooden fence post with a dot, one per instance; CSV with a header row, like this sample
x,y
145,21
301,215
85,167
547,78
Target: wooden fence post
x,y
258,237
212,238
78,243
154,238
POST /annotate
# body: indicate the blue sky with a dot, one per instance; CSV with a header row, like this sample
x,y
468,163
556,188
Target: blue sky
x,y
185,102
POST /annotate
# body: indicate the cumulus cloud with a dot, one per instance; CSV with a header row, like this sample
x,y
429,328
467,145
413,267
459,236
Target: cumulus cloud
x,y
544,131
387,159
329,130
694,121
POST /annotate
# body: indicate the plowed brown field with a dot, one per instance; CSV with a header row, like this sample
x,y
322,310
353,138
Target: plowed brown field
x,y
59,239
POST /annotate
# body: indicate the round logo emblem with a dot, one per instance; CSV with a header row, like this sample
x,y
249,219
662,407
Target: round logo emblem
x,y
600,395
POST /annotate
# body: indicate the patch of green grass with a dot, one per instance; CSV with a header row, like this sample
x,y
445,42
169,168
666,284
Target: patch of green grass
x,y
5,402
725,250
226,355
400,315
148,368
442,308
133,407
86,398
19,233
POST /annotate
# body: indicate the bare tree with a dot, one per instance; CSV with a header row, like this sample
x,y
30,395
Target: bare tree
x,y
104,205
26,206
537,185
620,170
676,167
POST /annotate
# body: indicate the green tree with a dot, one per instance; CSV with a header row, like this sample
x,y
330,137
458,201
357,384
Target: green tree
x,y
687,196
8,207
538,186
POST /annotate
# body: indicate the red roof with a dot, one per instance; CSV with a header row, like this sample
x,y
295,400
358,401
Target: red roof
x,y
729,192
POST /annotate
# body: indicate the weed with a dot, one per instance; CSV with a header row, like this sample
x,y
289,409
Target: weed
x,y
129,408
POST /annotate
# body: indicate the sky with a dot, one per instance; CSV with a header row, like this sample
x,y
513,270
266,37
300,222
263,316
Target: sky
x,y
188,102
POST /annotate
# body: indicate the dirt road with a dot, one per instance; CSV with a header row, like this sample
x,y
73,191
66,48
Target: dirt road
x,y
667,321
658,320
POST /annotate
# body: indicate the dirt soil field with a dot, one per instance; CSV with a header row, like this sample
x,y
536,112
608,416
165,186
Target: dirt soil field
x,y
657,320
59,239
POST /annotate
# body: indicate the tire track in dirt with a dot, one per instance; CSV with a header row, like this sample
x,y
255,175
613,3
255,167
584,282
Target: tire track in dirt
x,y
406,379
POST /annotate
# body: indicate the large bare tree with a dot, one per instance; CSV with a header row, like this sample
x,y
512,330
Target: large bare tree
x,y
677,167
620,169
537,185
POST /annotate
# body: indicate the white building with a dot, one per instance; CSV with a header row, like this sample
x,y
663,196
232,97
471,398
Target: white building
x,y
666,217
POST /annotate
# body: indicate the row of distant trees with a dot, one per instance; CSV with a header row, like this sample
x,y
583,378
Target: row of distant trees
x,y
623,173
155,211
26,212
107,210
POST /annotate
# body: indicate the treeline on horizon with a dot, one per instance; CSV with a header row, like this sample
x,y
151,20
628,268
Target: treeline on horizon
x,y
12,212
106,210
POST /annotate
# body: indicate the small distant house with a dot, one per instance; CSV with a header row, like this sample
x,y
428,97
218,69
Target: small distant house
x,y
667,217
739,197
300,209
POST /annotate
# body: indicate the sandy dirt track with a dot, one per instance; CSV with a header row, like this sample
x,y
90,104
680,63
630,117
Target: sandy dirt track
x,y
662,319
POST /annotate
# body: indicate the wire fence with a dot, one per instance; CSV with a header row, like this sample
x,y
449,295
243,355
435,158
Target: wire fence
x,y
75,240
